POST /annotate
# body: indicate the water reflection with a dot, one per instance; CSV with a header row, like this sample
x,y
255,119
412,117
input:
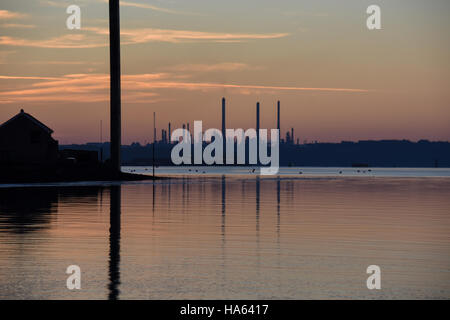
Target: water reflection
x,y
227,237
114,241
23,210
223,202
26,210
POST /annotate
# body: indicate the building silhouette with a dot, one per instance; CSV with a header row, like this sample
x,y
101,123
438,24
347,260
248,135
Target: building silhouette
x,y
27,141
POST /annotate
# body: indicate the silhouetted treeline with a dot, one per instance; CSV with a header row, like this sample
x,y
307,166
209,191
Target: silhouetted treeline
x,y
383,153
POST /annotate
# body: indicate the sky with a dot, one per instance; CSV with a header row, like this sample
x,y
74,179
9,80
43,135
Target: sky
x,y
336,79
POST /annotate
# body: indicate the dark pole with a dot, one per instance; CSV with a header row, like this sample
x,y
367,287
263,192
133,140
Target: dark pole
x,y
223,131
170,139
278,115
154,141
114,55
257,130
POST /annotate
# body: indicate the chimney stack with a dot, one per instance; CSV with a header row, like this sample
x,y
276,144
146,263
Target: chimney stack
x,y
223,117
188,132
115,99
170,134
257,128
224,131
278,115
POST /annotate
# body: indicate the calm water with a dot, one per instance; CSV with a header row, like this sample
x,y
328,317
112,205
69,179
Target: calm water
x,y
297,236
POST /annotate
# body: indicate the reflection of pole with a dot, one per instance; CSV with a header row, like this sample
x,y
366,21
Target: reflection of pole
x,y
101,141
153,200
278,208
114,243
154,141
115,107
223,206
258,187
258,199
278,225
224,192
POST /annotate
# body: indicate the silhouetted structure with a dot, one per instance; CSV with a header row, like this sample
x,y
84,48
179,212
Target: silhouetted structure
x,y
257,128
28,153
85,157
224,131
24,140
384,153
115,107
278,115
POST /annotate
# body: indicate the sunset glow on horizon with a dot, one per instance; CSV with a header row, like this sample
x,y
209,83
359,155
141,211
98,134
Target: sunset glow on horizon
x,y
336,79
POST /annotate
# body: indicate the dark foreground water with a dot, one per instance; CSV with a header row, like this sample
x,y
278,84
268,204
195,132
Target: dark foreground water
x,y
238,237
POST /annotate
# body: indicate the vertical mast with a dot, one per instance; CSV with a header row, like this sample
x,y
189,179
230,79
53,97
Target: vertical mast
x,y
115,103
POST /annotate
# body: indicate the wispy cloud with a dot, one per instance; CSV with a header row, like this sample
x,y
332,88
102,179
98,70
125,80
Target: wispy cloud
x,y
4,54
85,63
98,37
304,13
134,36
150,7
224,66
69,41
17,25
5,14
63,4
27,78
136,88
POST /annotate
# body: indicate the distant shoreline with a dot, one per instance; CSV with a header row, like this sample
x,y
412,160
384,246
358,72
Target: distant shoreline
x,y
365,153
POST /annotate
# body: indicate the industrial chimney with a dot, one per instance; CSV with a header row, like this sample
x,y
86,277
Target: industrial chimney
x,y
278,115
115,100
223,131
257,128
170,138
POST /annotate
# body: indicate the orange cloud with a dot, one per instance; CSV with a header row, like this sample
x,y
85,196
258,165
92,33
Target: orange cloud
x,y
225,66
5,14
27,78
18,25
70,41
136,88
98,37
147,6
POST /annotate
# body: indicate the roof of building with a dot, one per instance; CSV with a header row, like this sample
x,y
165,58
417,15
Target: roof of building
x,y
29,117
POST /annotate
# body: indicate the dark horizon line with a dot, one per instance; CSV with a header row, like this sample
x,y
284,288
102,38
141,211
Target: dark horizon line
x,y
302,143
